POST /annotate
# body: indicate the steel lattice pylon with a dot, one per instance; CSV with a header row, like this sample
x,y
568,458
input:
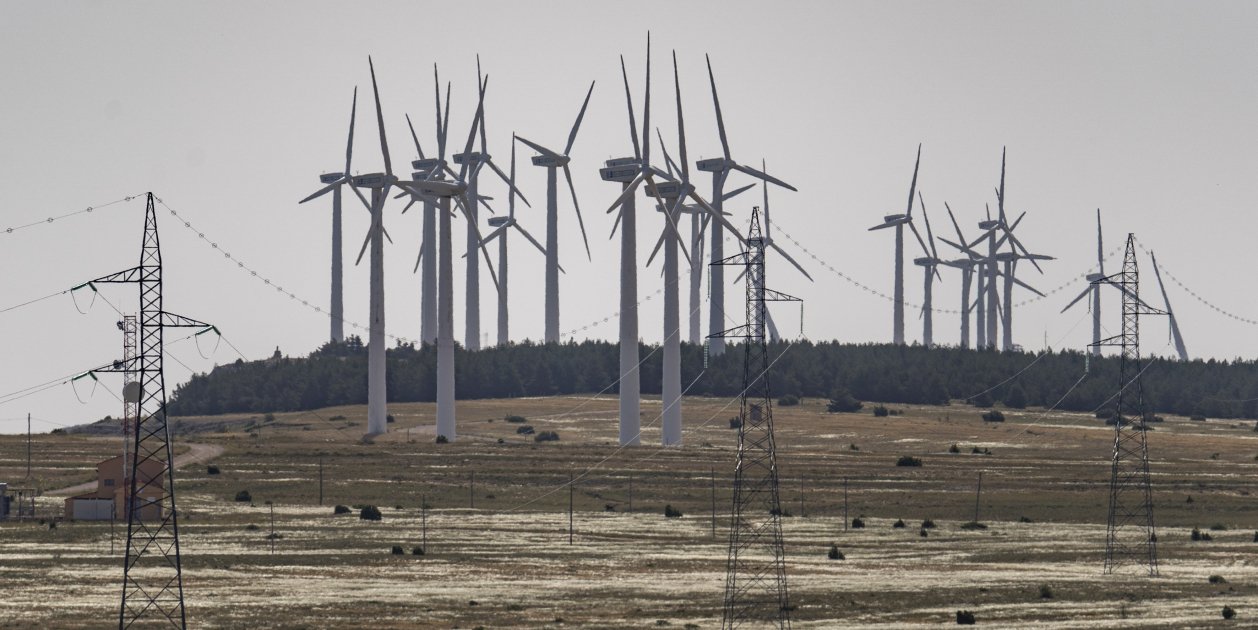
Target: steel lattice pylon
x,y
152,589
755,582
1130,537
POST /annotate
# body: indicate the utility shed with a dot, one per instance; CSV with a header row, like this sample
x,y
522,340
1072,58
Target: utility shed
x,y
109,499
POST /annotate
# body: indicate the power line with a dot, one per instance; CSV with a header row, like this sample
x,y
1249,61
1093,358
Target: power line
x,y
51,219
1197,297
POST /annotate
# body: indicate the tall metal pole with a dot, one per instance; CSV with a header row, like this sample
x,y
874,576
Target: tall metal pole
x,y
28,447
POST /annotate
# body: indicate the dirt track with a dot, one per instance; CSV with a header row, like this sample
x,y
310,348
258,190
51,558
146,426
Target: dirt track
x,y
197,453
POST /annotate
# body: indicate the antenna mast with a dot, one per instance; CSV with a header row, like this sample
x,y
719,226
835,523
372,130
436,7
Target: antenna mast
x,y
1130,536
755,582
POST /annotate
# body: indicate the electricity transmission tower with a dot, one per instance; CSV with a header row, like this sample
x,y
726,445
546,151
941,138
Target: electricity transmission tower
x,y
1130,536
755,582
152,578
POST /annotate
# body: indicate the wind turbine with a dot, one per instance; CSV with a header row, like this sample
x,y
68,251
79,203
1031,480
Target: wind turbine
x,y
966,266
898,221
501,225
333,182
552,160
475,160
1094,290
720,168
930,265
1170,315
443,191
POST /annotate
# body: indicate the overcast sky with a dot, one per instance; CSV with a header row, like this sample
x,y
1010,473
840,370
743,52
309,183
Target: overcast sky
x,y
230,111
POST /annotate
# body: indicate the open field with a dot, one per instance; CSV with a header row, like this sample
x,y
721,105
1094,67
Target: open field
x,y
507,561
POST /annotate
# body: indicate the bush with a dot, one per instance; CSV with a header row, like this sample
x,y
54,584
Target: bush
x,y
370,513
928,524
842,401
908,461
252,527
983,400
397,550
1104,414
1016,398
899,524
993,416
923,533
1256,536
270,417
515,419
244,497
954,449
1228,613
834,553
211,469
858,522
853,447
1198,535
881,412
1217,579
1218,527
789,400
735,422
973,526
1046,591
389,419
441,439
980,451
1023,519
671,512
525,430
341,509
417,551
965,618
546,436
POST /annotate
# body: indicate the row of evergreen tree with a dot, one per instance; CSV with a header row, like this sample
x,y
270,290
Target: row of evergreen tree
x,y
336,374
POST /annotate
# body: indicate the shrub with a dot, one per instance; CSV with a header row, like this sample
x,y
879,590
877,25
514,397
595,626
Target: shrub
x,y
211,470
858,522
973,525
335,418
983,400
899,524
1218,527
441,439
789,400
909,461
671,512
881,412
853,447
515,419
1104,414
397,550
1256,536
417,551
1228,613
965,618
954,449
1016,398
1217,579
244,497
980,451
1189,499
923,533
270,417
842,401
1046,591
341,509
993,416
1023,519
928,524
546,436
389,419
834,553
1198,535
370,513
251,527
525,430
735,422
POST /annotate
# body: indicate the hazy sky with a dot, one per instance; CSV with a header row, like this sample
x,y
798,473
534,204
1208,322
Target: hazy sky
x,y
230,111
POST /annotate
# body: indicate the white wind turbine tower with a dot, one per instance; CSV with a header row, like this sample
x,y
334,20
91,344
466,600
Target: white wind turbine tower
x,y
930,264
1093,290
898,221
966,266
333,182
426,168
502,224
476,160
720,169
1170,314
552,160
443,191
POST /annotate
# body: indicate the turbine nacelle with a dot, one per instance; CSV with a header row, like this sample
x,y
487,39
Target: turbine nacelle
x,y
713,165
926,261
550,160
429,165
988,224
498,221
330,178
370,180
471,157
622,170
439,188
670,190
1094,277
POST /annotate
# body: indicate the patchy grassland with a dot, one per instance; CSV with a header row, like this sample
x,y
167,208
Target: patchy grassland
x,y
510,553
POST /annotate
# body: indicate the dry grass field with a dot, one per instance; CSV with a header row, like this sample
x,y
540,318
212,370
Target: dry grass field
x,y
498,552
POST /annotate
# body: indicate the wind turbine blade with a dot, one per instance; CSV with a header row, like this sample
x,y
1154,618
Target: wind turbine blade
x,y
415,137
323,191
530,238
765,176
734,193
419,258
471,135
668,159
633,124
646,108
567,174
681,124
363,250
955,226
1100,253
1022,284
672,225
366,204
539,148
463,205
1087,291
615,225
717,216
384,142
511,189
480,82
656,249
767,224
409,204
1170,314
913,186
1000,196
921,242
572,136
720,120
349,144
495,234
628,192
445,127
792,261
930,235
441,137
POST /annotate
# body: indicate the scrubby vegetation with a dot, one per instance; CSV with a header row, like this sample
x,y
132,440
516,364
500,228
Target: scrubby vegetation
x,y
370,513
842,401
789,400
909,461
244,497
546,436
965,618
671,512
835,554
341,509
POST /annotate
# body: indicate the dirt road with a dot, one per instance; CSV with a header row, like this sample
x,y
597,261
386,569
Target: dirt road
x,y
197,453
